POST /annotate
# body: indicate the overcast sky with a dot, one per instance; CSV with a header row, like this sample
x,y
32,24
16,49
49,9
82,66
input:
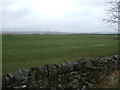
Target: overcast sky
x,y
54,15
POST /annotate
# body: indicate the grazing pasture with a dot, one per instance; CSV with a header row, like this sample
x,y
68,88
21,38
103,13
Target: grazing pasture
x,y
27,50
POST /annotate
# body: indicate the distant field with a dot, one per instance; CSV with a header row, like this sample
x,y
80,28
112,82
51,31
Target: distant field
x,y
25,51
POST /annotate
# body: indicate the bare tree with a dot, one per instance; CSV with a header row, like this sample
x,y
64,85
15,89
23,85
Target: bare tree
x,y
113,11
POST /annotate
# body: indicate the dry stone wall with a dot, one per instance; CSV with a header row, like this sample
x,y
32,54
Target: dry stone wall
x,y
81,74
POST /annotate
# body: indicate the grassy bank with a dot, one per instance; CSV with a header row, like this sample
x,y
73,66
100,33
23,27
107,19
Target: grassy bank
x,y
25,51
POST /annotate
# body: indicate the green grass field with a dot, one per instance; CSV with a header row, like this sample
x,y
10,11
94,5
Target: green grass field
x,y
25,51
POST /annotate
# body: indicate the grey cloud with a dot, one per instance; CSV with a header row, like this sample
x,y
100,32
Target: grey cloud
x,y
84,17
9,14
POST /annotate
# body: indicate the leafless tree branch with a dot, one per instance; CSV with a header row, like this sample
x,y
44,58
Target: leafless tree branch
x,y
113,11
